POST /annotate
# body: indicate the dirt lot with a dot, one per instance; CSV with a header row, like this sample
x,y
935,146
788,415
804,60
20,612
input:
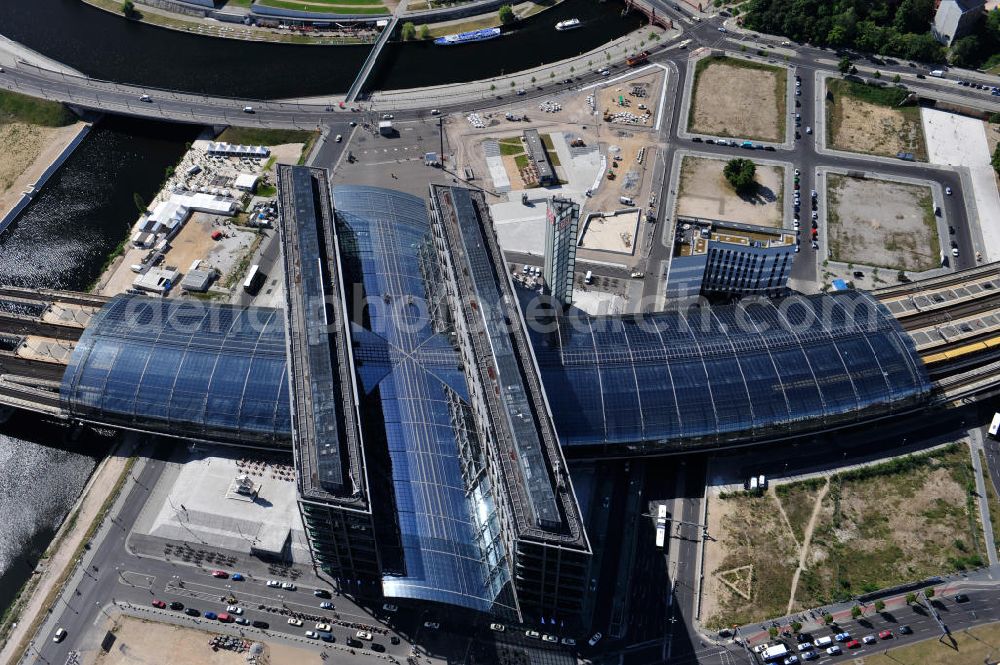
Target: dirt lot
x,y
860,126
738,98
704,192
918,524
748,569
900,233
139,641
28,151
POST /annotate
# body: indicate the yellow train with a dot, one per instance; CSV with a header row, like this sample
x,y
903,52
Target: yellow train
x,y
967,349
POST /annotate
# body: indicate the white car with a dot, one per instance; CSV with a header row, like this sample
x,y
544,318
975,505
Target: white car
x,y
274,584
809,130
869,639
498,627
324,626
947,190
387,116
552,639
59,636
339,138
721,29
595,639
311,634
533,634
294,622
288,586
954,251
433,625
435,112
806,646
363,635
242,621
234,609
248,109
145,98
569,641
834,650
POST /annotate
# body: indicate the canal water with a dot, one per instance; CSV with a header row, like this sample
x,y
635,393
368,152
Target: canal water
x,y
61,241
106,46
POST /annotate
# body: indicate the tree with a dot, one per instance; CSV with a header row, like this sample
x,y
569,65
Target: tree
x,y
855,611
844,65
129,10
425,32
828,619
911,598
995,118
914,15
897,78
929,593
877,74
772,631
796,626
507,14
993,24
409,31
966,52
741,174
879,605
996,159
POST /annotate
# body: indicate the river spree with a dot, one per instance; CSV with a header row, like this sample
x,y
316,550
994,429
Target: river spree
x,y
106,46
61,241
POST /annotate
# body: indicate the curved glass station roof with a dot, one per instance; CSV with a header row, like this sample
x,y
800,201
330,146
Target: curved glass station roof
x,y
717,375
183,368
408,368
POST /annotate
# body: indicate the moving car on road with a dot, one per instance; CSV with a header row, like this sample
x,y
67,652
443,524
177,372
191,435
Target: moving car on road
x,y
220,574
59,636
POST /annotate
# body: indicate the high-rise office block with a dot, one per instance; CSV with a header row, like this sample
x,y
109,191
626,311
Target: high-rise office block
x,y
561,224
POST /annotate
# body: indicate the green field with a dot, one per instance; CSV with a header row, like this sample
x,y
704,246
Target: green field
x,y
21,108
329,6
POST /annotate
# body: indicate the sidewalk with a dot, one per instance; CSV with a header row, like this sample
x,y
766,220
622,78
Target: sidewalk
x,y
37,596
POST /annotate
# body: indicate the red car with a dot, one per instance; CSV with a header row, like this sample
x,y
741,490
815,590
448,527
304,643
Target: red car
x,y
853,644
225,618
220,573
160,604
885,635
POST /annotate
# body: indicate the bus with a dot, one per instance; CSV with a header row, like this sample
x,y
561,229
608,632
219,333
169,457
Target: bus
x,y
661,525
995,425
255,279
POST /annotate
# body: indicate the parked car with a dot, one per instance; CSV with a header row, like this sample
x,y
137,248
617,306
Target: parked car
x,y
176,605
237,577
312,635
234,609
321,593
885,635
904,630
869,639
211,615
363,635
498,627
389,607
961,598
263,625
191,612
835,650
433,625
274,584
533,634
323,626
595,639
220,574
242,621
160,604
288,586
292,621
326,605
59,636
852,644
552,639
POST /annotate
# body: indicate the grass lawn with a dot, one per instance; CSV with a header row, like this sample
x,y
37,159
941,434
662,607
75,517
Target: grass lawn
x,y
511,146
326,8
973,645
21,108
908,139
521,161
798,500
550,149
883,525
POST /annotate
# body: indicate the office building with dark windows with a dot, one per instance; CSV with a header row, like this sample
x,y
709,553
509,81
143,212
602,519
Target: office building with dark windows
x,y
716,258
562,220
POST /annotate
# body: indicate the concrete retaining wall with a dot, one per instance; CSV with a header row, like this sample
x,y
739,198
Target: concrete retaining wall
x,y
14,212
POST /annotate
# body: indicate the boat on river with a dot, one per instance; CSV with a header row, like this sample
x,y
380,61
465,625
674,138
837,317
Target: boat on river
x,y
568,24
468,37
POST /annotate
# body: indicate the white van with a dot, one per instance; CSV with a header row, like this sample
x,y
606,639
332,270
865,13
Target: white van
x,y
248,109
626,201
588,278
823,642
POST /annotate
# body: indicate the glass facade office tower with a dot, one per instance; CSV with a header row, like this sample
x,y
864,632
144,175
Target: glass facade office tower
x,y
562,221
